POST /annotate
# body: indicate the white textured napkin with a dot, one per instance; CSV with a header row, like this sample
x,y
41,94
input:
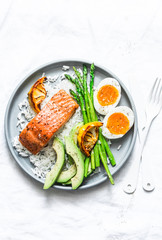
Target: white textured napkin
x,y
126,38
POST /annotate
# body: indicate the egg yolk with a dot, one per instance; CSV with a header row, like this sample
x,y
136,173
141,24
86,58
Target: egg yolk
x,y
107,95
118,123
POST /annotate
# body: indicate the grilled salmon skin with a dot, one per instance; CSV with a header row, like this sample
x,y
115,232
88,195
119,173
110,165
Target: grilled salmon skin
x,y
48,121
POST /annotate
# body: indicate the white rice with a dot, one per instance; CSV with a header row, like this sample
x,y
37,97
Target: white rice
x,y
65,68
45,159
118,148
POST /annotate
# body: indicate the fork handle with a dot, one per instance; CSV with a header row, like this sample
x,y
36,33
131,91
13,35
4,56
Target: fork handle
x,y
131,181
147,178
130,184
144,134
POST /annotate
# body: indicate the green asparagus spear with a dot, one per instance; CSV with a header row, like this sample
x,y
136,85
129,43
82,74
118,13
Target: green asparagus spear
x,y
109,153
86,92
70,78
86,164
105,165
92,111
78,86
102,143
75,96
76,82
80,93
78,75
97,157
81,100
92,159
92,80
96,150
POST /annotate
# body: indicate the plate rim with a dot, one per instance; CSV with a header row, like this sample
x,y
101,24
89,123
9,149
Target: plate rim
x,y
62,61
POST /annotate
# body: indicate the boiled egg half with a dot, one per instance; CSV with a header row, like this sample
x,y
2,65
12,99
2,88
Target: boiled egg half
x,y
106,95
117,122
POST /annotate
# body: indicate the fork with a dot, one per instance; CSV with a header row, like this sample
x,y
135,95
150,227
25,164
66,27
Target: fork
x,y
153,107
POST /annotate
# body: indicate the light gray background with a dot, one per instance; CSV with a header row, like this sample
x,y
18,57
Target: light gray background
x,y
123,36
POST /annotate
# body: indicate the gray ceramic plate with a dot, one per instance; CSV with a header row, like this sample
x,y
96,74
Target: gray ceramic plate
x,y
55,68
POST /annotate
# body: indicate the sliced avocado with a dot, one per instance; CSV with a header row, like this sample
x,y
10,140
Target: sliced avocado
x,y
66,175
90,170
51,176
74,131
78,158
67,183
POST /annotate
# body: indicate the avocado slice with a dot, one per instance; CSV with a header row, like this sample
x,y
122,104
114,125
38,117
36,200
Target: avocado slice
x,y
90,170
74,131
66,175
51,176
75,153
67,183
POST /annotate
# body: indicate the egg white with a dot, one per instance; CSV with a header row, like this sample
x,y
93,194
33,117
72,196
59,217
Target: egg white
x,y
121,109
104,109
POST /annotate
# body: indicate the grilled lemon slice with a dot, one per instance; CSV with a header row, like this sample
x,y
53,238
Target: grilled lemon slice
x,y
37,94
88,136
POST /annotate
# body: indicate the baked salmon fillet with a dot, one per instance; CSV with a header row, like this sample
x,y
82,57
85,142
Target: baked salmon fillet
x,y
48,121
